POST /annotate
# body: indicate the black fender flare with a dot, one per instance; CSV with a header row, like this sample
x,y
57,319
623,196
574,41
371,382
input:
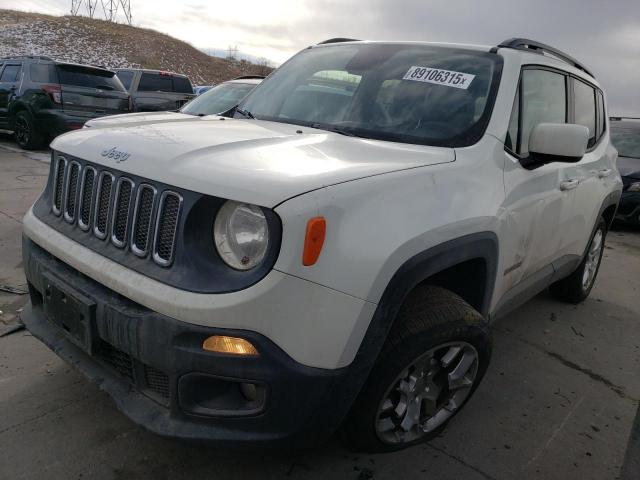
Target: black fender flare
x,y
482,245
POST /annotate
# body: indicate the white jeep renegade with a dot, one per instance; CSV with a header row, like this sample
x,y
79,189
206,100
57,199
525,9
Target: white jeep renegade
x,y
332,251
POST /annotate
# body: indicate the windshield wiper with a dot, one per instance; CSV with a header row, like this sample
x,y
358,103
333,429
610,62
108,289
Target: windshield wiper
x,y
246,113
338,130
104,87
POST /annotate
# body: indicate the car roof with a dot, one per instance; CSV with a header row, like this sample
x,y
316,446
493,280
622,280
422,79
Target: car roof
x,y
150,70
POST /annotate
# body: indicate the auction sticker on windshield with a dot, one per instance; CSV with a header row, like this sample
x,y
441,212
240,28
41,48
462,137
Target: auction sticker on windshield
x,y
439,77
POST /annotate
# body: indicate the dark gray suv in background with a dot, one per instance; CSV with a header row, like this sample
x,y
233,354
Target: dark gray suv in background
x,y
41,98
155,90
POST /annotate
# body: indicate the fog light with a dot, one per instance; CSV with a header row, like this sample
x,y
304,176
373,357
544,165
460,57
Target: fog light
x,y
231,345
249,391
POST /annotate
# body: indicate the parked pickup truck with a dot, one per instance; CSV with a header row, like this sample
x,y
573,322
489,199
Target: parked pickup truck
x,y
155,90
333,251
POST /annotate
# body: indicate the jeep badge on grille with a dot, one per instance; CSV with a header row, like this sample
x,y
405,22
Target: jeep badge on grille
x,y
117,155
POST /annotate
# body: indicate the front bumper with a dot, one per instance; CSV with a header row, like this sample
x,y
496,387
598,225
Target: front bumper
x,y
156,371
629,208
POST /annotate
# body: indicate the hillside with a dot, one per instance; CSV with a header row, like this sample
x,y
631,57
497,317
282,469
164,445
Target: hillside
x,y
97,42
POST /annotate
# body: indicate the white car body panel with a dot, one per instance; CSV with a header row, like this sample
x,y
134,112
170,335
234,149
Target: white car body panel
x,y
263,163
135,119
384,203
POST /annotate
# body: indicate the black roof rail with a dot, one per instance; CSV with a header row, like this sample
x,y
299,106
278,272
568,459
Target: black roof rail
x,y
250,77
541,48
338,40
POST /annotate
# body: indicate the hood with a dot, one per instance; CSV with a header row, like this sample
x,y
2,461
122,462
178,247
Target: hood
x,y
251,161
629,167
133,119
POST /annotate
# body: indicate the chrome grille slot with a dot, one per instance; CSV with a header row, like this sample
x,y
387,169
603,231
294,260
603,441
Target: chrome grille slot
x,y
142,215
71,191
87,189
103,204
166,226
120,221
58,185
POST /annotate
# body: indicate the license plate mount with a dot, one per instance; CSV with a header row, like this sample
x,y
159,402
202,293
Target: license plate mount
x,y
71,311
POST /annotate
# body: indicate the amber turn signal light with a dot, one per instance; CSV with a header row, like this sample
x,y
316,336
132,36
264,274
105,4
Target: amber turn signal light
x,y
231,345
313,240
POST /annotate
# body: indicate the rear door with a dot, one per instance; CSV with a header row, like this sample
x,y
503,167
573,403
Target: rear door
x,y
91,91
595,170
10,77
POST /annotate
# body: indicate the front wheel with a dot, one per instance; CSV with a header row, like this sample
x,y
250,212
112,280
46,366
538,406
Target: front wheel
x,y
432,362
576,287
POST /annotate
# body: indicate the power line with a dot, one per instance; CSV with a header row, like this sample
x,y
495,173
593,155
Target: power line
x,y
110,9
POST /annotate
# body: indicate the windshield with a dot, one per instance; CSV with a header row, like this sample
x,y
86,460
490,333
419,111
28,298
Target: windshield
x,y
397,92
219,99
626,141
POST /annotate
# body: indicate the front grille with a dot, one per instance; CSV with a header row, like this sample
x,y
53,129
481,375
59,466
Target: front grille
x,y
91,196
71,192
58,184
157,381
119,229
167,222
105,185
142,219
87,188
120,361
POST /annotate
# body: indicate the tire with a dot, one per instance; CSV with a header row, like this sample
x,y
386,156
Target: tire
x,y
431,324
575,288
25,133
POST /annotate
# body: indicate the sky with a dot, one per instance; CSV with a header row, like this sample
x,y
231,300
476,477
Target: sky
x,y
603,34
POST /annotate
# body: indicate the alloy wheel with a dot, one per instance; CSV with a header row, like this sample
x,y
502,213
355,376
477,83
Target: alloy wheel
x,y
427,393
593,260
22,131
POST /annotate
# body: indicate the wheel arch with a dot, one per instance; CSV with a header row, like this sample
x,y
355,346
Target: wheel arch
x,y
14,109
474,255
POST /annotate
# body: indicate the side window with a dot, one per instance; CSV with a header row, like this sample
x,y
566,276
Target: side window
x,y
43,73
544,100
10,73
125,77
585,108
601,115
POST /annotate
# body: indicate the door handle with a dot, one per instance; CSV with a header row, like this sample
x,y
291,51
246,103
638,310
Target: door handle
x,y
605,172
569,184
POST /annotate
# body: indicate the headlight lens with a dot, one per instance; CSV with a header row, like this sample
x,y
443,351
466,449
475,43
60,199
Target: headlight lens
x,y
241,235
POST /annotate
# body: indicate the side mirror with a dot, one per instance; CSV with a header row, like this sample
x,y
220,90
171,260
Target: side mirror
x,y
558,142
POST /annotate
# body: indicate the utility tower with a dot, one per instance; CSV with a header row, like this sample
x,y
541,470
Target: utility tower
x,y
110,10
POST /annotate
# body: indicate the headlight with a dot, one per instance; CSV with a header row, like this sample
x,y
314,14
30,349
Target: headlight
x,y
241,235
634,187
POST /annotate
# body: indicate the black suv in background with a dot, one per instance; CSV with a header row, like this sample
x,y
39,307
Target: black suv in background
x,y
155,90
41,98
